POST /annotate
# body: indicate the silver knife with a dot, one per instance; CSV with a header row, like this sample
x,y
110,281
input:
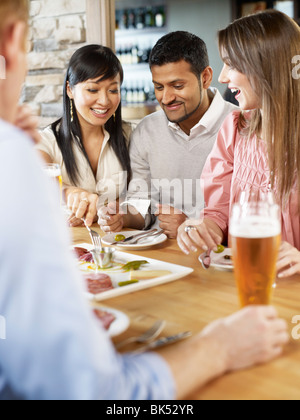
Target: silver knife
x,y
139,235
165,341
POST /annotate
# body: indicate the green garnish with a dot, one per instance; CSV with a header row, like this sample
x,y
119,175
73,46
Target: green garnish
x,y
127,283
133,265
119,238
221,248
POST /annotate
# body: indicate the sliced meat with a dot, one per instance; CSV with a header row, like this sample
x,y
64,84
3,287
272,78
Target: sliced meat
x,y
79,252
106,318
88,257
98,283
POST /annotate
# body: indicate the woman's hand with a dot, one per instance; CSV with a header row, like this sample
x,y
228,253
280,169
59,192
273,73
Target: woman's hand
x,y
205,235
288,261
82,204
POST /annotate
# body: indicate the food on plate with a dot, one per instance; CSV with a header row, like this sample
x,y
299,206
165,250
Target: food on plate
x,y
105,317
133,265
127,283
119,238
98,283
88,257
149,274
228,257
79,252
221,249
83,255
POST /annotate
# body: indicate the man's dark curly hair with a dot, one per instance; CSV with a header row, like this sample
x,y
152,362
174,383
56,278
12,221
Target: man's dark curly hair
x,y
178,46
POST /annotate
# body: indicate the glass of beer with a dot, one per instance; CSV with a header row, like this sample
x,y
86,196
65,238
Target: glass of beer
x,y
53,170
255,231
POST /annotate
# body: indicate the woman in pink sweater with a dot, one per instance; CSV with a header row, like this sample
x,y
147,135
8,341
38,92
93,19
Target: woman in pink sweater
x,y
259,147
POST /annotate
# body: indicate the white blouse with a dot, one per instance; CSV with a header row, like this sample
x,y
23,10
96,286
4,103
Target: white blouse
x,y
110,180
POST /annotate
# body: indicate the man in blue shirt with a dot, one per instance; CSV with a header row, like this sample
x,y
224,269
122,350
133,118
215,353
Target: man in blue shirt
x,y
53,347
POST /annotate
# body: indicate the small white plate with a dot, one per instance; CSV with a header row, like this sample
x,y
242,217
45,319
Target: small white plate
x,y
119,325
143,243
219,262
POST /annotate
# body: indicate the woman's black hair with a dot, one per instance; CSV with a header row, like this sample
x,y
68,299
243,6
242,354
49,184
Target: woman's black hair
x,y
89,62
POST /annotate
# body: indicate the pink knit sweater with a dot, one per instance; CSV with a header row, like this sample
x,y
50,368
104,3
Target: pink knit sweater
x,y
234,165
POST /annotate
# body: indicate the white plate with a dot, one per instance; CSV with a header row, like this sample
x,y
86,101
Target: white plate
x,y
219,262
177,272
120,324
143,243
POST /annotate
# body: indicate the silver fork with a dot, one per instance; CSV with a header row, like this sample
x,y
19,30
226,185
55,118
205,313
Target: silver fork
x,y
95,237
147,336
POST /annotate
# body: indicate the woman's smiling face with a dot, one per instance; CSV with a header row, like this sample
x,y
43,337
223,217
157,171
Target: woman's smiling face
x,y
96,101
239,83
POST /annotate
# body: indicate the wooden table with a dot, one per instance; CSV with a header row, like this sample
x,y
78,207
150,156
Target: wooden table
x,y
193,302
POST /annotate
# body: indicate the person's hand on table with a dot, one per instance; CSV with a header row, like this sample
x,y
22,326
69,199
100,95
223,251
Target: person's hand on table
x,y
249,337
27,122
205,235
288,263
82,204
170,219
111,218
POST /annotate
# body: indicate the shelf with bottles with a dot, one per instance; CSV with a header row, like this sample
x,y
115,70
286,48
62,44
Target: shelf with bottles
x,y
138,93
141,18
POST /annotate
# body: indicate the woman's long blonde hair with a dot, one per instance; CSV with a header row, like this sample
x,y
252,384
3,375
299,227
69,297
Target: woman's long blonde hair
x,y
262,46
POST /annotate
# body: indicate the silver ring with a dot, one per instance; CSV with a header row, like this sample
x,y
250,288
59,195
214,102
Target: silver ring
x,y
189,228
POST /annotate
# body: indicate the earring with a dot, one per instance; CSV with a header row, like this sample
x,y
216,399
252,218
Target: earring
x,y
71,110
114,117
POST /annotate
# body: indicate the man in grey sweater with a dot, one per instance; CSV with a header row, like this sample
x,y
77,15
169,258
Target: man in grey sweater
x,y
169,148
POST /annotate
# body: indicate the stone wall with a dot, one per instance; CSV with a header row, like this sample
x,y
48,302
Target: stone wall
x,y
57,29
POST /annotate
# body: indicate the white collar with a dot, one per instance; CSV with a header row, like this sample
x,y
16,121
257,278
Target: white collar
x,y
209,118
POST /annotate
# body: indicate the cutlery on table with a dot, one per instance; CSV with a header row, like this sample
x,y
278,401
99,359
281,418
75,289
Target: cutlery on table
x,y
147,336
205,259
136,236
165,341
95,237
151,235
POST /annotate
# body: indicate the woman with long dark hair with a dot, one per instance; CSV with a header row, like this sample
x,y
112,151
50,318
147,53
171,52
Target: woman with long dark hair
x,y
90,141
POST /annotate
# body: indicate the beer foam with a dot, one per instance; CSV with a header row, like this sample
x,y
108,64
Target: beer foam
x,y
53,172
255,227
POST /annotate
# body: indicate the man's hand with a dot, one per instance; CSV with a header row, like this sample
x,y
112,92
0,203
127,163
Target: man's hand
x,y
111,218
251,336
27,122
170,219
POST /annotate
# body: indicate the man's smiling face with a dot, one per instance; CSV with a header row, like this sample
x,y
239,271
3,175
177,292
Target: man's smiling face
x,y
178,90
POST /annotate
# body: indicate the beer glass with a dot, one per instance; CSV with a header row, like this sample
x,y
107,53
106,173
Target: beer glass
x,y
53,170
255,231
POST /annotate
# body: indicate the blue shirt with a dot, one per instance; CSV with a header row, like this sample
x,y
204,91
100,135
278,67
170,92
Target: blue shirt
x,y
54,348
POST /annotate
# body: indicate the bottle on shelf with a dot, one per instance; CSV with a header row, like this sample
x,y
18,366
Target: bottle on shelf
x,y
131,19
160,17
123,22
149,18
140,19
